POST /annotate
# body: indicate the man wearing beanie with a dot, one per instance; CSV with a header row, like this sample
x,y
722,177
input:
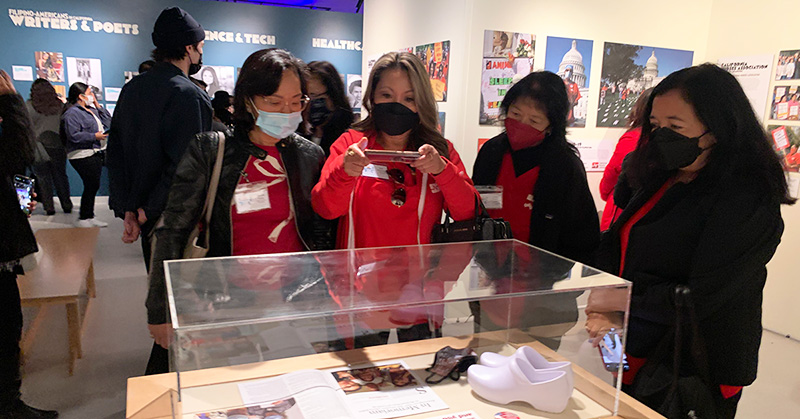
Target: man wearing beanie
x,y
157,114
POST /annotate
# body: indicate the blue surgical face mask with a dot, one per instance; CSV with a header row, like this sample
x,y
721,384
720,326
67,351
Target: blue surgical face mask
x,y
276,124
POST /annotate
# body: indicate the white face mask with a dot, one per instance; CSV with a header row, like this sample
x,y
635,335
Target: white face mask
x,y
276,124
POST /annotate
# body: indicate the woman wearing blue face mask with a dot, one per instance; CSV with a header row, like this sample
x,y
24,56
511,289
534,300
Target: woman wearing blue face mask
x,y
263,201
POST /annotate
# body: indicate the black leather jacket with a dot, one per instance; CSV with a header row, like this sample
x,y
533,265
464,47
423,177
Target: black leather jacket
x,y
303,161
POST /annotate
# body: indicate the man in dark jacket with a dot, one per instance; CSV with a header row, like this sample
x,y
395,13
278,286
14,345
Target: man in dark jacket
x,y
16,151
157,115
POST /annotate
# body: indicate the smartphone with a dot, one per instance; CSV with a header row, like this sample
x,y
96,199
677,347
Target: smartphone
x,y
24,187
389,156
611,351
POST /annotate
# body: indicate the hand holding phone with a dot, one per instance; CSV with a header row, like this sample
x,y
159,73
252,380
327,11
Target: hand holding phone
x,y
611,351
24,187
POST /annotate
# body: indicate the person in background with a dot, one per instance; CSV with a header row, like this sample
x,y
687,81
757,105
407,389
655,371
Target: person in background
x,y
625,145
329,113
16,152
394,204
44,108
263,154
222,104
157,115
145,66
702,197
83,130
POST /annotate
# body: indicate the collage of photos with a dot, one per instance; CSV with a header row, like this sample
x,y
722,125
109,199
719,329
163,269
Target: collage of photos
x,y
380,378
785,103
507,57
279,409
436,59
627,71
788,65
571,59
787,142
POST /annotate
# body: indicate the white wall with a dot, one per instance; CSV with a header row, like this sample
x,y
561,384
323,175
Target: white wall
x,y
710,28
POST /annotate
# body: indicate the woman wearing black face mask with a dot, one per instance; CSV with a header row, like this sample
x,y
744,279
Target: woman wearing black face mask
x,y
702,211
394,204
328,114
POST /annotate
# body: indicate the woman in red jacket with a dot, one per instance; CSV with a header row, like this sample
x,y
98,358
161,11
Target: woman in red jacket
x,y
393,204
625,145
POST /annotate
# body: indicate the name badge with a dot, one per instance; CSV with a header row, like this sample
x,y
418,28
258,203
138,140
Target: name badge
x,y
376,171
251,197
492,196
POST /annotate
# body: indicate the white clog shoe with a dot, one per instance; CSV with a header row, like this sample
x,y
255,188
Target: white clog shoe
x,y
517,380
537,361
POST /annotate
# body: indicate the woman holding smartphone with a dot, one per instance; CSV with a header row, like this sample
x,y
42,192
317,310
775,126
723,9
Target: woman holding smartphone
x,y
83,129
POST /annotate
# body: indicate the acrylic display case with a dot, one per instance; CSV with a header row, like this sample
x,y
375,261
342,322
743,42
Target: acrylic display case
x,y
238,319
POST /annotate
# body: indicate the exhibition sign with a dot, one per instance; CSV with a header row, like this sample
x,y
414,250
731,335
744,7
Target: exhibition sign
x,y
753,73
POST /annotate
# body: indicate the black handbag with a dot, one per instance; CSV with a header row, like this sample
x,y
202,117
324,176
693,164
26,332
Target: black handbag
x,y
482,227
664,384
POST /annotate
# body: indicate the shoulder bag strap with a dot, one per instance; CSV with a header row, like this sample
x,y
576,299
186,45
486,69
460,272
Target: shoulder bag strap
x,y
208,207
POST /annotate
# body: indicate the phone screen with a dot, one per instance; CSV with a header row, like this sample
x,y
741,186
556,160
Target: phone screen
x,y
611,351
24,187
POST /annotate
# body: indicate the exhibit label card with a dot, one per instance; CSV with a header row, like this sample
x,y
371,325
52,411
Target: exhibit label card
x,y
753,73
22,72
112,93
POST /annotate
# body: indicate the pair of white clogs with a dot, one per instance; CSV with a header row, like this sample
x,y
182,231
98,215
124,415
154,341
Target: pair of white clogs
x,y
525,376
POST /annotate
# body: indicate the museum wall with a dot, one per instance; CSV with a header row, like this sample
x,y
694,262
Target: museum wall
x,y
115,36
711,28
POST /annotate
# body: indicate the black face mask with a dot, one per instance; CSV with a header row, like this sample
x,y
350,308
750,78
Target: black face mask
x,y
674,149
393,118
318,112
194,68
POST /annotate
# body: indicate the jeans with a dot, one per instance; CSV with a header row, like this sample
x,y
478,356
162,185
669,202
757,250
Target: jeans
x,y
89,169
10,335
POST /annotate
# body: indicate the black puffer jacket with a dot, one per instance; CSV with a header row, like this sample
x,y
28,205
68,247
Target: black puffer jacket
x,y
303,161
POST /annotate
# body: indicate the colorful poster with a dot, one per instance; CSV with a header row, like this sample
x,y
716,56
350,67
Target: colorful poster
x,y
436,59
788,67
627,71
87,71
61,91
217,77
572,60
786,140
507,57
753,73
49,66
785,103
354,90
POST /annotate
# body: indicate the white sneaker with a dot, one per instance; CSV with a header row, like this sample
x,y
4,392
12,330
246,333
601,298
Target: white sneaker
x,y
84,223
517,380
97,223
537,361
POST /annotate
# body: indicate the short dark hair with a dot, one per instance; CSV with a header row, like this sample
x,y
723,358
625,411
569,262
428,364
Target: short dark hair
x,y
548,91
356,83
743,150
171,53
261,75
146,65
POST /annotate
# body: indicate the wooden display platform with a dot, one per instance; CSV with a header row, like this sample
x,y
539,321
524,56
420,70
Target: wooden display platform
x,y
156,397
64,276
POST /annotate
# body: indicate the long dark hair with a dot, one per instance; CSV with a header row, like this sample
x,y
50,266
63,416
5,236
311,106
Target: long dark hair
x,y
743,148
261,75
44,98
427,131
342,116
548,91
16,140
638,116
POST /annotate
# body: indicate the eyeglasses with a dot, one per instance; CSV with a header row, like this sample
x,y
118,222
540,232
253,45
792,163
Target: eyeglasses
x,y
295,105
399,195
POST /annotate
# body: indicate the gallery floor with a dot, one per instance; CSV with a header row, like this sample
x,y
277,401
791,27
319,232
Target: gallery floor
x,y
116,342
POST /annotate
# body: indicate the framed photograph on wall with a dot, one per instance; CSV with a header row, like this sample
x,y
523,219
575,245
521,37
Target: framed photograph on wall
x,y
507,57
87,71
217,77
354,91
49,66
627,71
571,59
436,59
785,103
788,67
